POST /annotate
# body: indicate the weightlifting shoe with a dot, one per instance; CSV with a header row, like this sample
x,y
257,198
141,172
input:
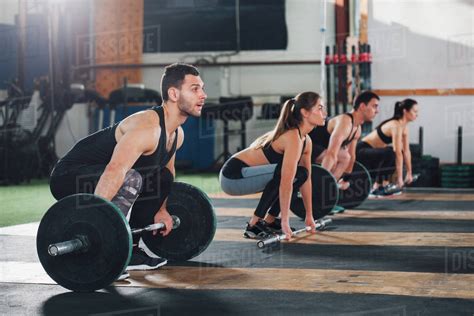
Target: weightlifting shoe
x,y
386,191
392,189
257,231
275,226
141,261
337,209
376,193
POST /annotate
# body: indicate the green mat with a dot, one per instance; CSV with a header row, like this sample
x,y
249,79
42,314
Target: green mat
x,y
28,202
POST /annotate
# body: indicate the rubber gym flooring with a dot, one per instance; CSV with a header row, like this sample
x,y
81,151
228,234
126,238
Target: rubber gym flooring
x,y
409,255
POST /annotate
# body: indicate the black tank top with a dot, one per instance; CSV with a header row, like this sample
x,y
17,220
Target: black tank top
x,y
386,139
97,149
275,157
320,135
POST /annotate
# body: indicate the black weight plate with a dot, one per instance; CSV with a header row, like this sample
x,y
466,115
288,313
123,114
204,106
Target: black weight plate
x,y
107,231
427,162
325,194
359,189
197,225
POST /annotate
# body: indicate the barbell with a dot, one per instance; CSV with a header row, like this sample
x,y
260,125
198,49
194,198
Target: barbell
x,y
81,243
84,242
395,189
320,224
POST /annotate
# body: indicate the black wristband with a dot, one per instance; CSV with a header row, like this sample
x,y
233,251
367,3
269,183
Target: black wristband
x,y
346,176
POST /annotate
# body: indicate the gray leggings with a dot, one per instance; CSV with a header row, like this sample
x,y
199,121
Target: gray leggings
x,y
237,178
254,179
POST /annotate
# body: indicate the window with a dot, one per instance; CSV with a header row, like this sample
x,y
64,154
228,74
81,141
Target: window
x,y
210,25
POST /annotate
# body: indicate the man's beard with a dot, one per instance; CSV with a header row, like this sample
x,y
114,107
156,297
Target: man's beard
x,y
367,119
187,110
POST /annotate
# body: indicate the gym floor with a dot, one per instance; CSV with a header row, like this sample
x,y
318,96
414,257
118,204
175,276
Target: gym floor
x,y
408,255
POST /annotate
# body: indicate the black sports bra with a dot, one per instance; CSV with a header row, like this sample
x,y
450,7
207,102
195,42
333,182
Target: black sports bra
x,y
386,139
275,157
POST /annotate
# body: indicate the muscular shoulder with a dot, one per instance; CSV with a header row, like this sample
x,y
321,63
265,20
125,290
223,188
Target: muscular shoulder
x,y
342,124
344,119
140,120
141,123
339,119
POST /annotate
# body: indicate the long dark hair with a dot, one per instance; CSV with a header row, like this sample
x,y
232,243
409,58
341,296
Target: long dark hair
x,y
290,117
406,104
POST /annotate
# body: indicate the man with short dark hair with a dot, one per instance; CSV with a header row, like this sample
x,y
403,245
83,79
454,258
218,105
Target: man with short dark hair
x,y
132,162
334,144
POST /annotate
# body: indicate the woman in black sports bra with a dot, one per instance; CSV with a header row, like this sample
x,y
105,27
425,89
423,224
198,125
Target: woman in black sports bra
x,y
277,163
381,159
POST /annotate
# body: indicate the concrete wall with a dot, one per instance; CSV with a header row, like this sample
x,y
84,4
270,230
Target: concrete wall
x,y
440,118
8,10
427,45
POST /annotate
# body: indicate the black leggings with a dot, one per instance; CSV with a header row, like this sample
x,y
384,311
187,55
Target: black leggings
x,y
152,191
270,194
380,162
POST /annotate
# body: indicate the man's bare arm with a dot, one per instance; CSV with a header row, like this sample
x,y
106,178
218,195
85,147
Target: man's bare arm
x,y
352,151
127,151
340,132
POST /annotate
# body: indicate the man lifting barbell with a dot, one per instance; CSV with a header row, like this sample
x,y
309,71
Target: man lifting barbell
x,y
335,142
132,162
